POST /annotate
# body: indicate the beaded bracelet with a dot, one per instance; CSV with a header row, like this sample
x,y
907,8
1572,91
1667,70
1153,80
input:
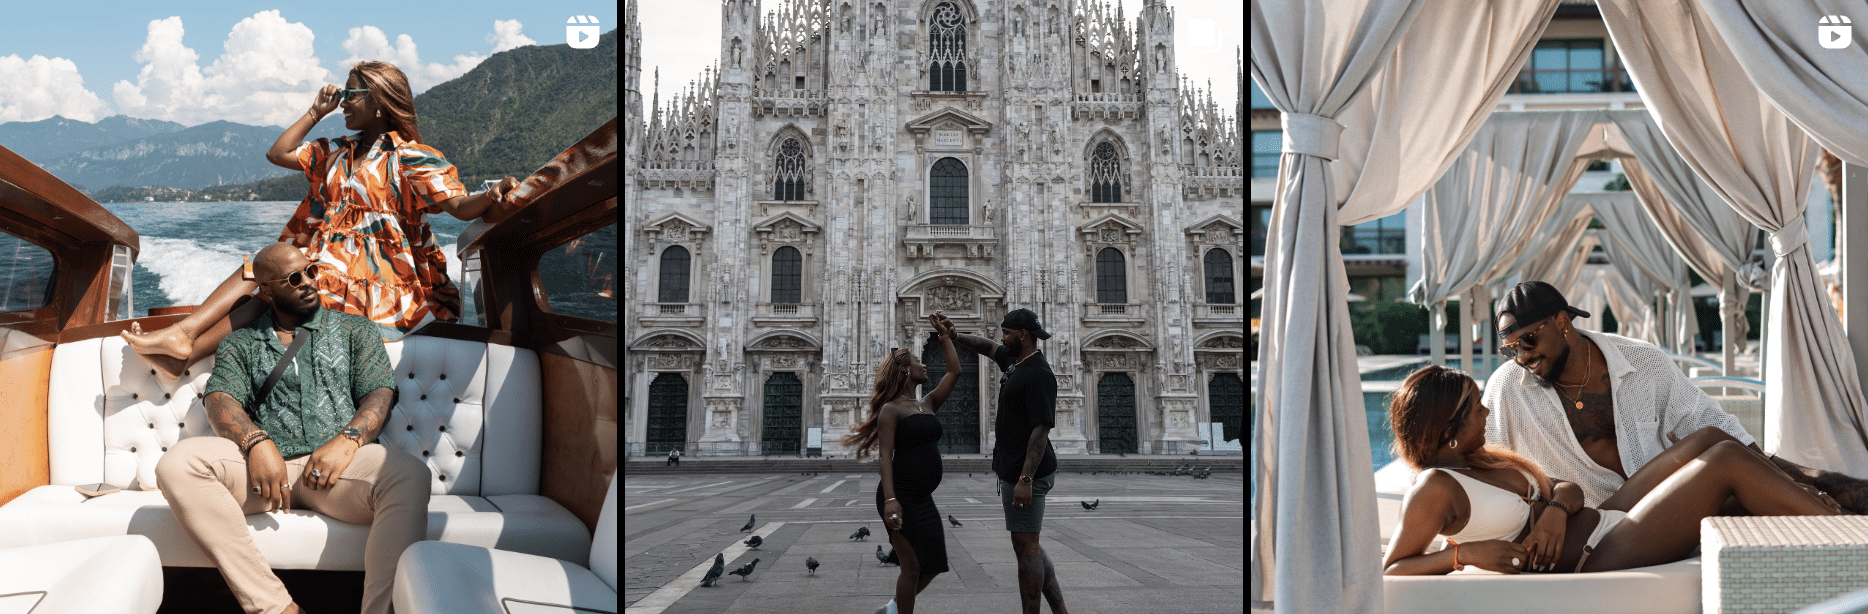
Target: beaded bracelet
x,y
249,447
1456,566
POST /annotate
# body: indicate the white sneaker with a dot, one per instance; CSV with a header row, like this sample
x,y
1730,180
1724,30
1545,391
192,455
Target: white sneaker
x,y
887,608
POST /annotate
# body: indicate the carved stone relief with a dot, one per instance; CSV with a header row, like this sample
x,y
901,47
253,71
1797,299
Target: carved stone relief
x,y
676,362
1116,342
671,341
951,298
676,231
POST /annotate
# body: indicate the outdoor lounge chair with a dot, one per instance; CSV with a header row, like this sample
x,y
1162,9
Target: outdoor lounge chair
x,y
1673,588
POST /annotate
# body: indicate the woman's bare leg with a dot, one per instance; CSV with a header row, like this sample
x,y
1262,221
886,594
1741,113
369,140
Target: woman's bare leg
x,y
905,589
1664,526
196,336
1664,465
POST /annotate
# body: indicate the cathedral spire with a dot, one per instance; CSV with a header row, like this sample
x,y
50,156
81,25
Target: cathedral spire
x,y
655,104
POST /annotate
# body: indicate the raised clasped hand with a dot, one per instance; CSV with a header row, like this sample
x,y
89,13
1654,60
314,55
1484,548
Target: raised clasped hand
x,y
329,460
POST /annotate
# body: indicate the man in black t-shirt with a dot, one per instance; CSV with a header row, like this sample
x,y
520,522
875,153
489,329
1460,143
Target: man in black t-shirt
x,y
1022,456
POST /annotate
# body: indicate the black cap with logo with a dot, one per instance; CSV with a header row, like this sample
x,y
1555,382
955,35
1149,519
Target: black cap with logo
x,y
1024,319
1532,301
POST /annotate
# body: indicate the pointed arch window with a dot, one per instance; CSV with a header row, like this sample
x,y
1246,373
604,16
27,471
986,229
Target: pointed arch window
x,y
1111,278
787,273
947,193
947,49
789,172
1219,278
674,275
1105,175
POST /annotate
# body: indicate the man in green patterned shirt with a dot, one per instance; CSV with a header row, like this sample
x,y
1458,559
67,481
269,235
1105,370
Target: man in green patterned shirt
x,y
309,442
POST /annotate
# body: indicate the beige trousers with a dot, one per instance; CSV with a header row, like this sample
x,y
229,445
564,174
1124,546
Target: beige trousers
x,y
204,480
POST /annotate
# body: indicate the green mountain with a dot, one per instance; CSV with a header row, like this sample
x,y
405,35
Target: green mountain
x,y
506,117
56,136
518,109
211,154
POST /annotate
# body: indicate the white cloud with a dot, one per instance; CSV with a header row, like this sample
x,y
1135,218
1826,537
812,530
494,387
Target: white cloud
x,y
266,75
506,35
41,87
368,43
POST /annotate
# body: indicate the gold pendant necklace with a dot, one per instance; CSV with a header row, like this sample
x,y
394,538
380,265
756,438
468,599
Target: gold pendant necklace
x,y
1579,387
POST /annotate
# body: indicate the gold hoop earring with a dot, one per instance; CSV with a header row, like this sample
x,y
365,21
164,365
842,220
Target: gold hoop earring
x,y
1455,444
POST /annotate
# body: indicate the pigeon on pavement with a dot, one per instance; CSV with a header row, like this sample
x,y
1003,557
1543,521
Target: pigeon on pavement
x,y
745,571
754,542
811,563
951,520
860,533
719,565
884,558
1085,504
748,526
1095,503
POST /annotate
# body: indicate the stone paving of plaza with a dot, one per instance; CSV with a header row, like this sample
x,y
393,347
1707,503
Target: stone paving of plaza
x,y
1155,545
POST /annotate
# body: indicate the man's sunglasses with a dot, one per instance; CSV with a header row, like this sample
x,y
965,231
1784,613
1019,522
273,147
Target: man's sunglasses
x,y
345,95
1528,341
298,278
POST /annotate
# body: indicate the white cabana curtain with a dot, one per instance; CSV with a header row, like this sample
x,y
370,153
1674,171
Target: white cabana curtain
x,y
1512,176
1560,262
1644,257
1622,296
1760,162
1365,131
1822,90
1590,293
1713,238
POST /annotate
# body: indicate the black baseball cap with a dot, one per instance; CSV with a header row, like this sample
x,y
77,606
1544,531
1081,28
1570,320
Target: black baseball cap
x,y
1532,301
1024,319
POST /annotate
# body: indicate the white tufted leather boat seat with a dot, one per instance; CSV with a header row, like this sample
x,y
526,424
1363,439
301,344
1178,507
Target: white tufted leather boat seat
x,y
443,578
470,411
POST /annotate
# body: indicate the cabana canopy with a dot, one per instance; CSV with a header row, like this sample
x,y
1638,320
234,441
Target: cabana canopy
x,y
1370,123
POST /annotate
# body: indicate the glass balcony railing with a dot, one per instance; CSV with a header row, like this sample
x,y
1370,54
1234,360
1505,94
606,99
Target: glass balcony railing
x,y
1612,79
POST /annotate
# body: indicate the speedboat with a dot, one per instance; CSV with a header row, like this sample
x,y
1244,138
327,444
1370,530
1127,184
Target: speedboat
x,y
513,409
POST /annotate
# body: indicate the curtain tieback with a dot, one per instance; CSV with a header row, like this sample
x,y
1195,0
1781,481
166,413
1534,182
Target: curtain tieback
x,y
1793,235
1311,135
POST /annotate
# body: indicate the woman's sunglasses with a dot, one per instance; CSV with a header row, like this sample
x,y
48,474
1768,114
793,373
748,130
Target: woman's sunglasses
x,y
297,278
345,95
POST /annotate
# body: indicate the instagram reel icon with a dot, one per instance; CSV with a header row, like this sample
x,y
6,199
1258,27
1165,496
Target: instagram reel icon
x,y
1833,31
585,37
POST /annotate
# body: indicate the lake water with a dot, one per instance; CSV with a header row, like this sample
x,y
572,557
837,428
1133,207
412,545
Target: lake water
x,y
189,248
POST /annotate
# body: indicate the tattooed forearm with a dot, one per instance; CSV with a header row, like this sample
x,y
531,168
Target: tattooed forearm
x,y
372,412
1034,449
228,418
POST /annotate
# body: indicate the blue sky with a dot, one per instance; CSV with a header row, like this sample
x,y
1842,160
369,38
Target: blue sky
x,y
250,62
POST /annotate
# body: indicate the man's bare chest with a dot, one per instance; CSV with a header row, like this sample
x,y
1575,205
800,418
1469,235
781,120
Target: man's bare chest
x,y
1591,415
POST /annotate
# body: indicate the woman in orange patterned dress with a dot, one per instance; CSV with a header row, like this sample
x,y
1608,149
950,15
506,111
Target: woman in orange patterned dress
x,y
363,225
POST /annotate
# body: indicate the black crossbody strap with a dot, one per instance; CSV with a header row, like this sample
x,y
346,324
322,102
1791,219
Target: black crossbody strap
x,y
298,339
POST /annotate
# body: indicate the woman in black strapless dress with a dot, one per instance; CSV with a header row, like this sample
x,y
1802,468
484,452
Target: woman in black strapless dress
x,y
906,433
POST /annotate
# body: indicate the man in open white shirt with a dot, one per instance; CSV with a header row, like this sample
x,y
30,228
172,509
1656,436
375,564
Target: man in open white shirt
x,y
1593,408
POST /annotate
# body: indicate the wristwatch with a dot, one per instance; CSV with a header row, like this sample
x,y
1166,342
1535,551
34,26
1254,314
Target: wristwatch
x,y
1024,479
353,434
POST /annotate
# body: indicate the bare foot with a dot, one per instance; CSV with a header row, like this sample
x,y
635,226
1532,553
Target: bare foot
x,y
172,341
170,368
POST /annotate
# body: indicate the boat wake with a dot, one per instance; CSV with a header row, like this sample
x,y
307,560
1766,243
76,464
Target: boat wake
x,y
190,270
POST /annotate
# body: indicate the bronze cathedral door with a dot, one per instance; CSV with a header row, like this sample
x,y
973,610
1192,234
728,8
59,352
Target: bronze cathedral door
x,y
668,413
781,430
959,416
1115,413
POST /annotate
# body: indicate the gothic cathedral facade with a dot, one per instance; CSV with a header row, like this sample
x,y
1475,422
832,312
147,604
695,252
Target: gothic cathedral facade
x,y
851,166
